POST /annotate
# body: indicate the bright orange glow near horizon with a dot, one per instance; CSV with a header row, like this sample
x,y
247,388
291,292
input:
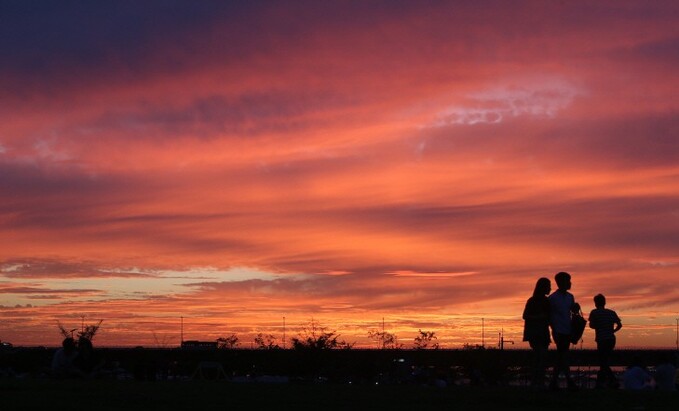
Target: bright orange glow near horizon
x,y
397,164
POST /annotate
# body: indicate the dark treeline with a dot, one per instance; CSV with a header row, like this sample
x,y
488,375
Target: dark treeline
x,y
355,365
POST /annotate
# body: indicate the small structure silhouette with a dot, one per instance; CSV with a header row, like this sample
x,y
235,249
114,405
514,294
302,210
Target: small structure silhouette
x,y
199,345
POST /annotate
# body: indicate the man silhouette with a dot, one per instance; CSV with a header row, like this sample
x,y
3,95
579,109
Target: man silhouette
x,y
561,306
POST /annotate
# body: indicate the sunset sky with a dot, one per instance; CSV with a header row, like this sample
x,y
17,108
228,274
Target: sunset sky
x,y
421,162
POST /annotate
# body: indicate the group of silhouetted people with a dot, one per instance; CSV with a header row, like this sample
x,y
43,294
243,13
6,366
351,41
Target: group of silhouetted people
x,y
76,360
560,312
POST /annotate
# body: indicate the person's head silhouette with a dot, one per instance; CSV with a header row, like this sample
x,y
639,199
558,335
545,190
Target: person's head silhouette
x,y
85,345
599,301
563,281
68,344
542,287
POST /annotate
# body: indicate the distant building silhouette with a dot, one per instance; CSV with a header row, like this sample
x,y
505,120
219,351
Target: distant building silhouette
x,y
199,345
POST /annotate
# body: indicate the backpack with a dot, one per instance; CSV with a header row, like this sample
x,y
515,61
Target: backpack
x,y
578,324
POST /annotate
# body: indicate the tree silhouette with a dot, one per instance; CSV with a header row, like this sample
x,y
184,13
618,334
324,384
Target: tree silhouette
x,y
266,342
384,339
426,339
316,337
87,331
227,343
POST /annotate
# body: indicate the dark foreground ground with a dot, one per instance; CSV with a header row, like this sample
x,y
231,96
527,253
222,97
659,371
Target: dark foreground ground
x,y
32,394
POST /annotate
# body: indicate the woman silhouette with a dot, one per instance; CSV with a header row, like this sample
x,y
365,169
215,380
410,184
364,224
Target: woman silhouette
x,y
536,328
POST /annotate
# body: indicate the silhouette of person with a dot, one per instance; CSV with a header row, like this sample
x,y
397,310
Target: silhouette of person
x,y
63,360
88,362
561,307
536,328
605,323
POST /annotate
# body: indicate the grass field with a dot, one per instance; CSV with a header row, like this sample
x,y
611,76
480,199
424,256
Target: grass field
x,y
31,394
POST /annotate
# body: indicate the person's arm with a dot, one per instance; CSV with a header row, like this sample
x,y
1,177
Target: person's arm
x,y
589,320
531,311
526,311
618,325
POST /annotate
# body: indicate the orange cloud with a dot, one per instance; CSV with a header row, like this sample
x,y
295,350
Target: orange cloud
x,y
235,164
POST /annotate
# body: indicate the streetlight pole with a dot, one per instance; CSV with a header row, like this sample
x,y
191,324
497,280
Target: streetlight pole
x,y
483,332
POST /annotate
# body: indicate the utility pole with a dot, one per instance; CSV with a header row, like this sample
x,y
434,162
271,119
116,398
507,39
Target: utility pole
x,y
483,332
502,341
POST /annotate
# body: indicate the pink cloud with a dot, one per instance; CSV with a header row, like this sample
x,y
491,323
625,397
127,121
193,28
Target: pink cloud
x,y
291,140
